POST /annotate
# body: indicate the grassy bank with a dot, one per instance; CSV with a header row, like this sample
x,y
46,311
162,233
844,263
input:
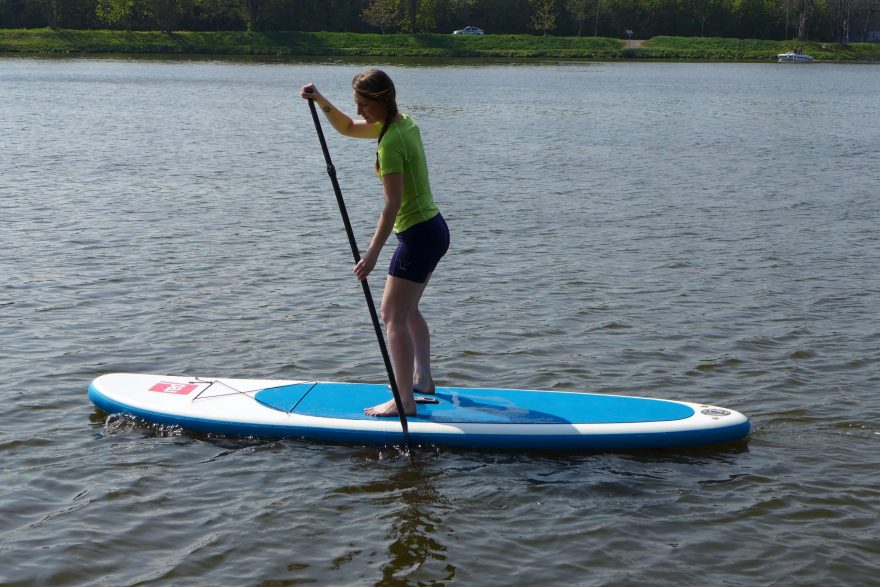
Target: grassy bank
x,y
44,41
710,49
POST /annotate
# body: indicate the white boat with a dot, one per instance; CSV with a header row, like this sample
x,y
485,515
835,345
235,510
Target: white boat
x,y
794,57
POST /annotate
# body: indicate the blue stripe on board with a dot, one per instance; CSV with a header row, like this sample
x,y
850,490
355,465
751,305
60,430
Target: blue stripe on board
x,y
283,397
495,406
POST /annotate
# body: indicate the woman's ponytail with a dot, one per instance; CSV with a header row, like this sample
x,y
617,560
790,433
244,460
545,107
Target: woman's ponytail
x,y
376,85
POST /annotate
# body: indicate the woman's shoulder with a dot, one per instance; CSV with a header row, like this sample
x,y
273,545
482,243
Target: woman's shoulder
x,y
406,120
408,126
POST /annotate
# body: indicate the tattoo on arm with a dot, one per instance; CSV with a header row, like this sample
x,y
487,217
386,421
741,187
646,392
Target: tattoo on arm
x,y
326,109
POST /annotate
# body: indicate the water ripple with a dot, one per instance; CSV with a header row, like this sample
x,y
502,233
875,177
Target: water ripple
x,y
636,232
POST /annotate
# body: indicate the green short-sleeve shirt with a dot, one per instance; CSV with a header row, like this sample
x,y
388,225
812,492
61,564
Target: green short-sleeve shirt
x,y
401,151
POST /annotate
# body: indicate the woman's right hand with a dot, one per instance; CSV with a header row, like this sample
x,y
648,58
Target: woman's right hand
x,y
366,265
310,92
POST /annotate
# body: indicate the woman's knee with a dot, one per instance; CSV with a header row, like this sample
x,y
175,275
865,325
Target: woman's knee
x,y
394,315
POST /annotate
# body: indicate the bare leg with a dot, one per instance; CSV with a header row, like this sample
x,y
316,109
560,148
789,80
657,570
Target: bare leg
x,y
400,301
418,328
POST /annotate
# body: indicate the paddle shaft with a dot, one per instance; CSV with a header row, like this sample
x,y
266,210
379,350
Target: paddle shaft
x,y
331,171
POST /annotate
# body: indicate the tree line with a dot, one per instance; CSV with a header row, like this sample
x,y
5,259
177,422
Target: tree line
x,y
825,20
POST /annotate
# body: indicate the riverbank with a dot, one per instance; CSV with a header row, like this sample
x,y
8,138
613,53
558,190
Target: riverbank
x,y
322,44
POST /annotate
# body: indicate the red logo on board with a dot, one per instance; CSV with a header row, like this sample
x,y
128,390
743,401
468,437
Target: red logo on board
x,y
176,388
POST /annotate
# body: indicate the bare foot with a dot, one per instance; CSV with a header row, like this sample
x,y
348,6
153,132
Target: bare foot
x,y
427,388
389,408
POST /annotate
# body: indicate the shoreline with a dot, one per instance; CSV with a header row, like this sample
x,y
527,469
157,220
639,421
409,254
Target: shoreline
x,y
526,48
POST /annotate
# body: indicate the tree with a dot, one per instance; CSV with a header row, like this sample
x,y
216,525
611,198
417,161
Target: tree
x,y
412,7
426,15
701,9
786,6
665,16
51,10
544,16
806,12
215,10
382,13
578,9
461,7
460,11
864,13
826,20
71,14
166,12
850,19
118,12
251,11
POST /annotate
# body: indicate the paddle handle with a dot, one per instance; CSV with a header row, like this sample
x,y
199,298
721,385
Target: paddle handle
x,y
331,171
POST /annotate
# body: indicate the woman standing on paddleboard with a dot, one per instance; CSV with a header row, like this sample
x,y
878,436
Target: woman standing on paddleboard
x,y
409,211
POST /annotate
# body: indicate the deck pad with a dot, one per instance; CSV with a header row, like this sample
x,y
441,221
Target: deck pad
x,y
463,405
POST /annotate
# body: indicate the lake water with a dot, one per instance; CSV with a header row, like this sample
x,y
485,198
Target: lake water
x,y
703,232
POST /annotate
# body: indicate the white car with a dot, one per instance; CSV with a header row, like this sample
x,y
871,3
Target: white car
x,y
468,30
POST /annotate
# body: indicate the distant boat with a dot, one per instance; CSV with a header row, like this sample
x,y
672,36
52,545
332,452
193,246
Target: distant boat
x,y
796,56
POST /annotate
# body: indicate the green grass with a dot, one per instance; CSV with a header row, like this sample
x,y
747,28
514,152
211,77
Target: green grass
x,y
44,41
306,44
713,48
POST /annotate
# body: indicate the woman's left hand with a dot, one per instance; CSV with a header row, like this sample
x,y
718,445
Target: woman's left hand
x,y
366,265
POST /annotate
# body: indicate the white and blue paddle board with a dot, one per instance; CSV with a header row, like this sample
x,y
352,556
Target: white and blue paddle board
x,y
470,418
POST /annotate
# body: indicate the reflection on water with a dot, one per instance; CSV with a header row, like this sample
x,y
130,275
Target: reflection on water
x,y
414,513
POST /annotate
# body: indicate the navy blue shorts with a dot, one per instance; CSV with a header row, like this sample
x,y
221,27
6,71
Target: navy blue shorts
x,y
419,248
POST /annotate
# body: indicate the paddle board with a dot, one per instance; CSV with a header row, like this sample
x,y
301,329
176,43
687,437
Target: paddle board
x,y
460,417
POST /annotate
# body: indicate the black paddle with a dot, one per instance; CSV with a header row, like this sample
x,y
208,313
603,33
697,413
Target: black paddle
x,y
331,171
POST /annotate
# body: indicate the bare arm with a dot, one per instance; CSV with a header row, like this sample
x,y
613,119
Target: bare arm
x,y
393,187
342,122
